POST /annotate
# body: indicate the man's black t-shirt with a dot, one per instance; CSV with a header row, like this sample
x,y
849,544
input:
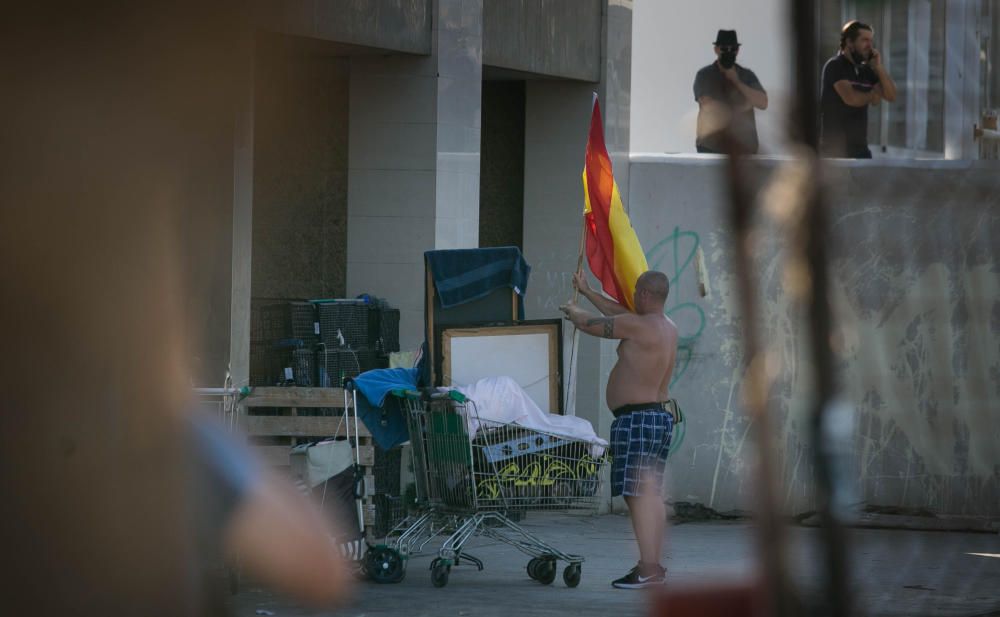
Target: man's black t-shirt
x,y
844,129
711,82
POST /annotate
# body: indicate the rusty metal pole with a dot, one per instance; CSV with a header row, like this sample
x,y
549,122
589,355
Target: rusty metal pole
x,y
770,526
813,230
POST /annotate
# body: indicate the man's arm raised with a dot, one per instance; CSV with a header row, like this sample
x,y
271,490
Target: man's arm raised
x,y
606,306
886,86
621,326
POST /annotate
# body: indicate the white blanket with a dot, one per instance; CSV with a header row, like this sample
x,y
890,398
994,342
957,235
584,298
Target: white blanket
x,y
501,399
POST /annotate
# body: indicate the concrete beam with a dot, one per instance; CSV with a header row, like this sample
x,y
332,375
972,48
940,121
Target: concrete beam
x,y
554,38
394,25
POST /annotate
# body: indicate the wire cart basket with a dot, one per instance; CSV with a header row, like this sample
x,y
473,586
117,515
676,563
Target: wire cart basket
x,y
219,403
474,476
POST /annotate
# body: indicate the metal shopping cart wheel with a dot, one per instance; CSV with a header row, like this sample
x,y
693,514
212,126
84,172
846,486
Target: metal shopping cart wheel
x,y
385,565
543,569
571,575
440,569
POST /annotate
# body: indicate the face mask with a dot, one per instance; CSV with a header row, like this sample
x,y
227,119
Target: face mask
x,y
727,59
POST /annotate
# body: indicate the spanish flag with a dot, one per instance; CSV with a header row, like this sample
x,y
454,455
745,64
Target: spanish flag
x,y
613,250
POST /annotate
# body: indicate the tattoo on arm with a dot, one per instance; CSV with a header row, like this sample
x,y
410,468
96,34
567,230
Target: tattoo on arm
x,y
607,322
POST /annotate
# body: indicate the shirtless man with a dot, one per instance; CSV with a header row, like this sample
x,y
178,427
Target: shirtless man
x,y
637,388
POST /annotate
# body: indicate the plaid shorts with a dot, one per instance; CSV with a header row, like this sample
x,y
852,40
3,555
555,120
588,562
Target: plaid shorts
x,y
639,444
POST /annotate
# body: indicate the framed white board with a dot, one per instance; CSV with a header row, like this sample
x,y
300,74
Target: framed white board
x,y
529,354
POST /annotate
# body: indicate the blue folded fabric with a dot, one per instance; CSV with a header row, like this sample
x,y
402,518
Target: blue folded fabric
x,y
384,419
376,384
464,275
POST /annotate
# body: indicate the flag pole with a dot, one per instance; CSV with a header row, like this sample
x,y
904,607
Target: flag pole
x,y
570,397
579,256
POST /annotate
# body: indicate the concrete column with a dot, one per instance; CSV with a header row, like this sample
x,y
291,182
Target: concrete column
x,y
239,324
413,178
616,94
391,182
458,36
556,127
615,89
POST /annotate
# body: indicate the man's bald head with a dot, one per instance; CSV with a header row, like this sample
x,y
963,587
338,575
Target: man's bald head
x,y
655,284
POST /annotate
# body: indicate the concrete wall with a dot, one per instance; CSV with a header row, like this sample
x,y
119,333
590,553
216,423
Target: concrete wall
x,y
917,297
396,25
300,172
414,161
392,193
557,38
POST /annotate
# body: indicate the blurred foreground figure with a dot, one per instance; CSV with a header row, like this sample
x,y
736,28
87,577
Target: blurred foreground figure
x,y
259,522
118,138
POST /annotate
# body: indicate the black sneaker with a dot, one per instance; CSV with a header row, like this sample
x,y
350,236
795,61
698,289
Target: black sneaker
x,y
633,580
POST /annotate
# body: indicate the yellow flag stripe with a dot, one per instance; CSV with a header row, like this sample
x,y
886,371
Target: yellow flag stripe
x,y
630,262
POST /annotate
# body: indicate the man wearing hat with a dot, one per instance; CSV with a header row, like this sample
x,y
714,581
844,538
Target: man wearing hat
x,y
727,94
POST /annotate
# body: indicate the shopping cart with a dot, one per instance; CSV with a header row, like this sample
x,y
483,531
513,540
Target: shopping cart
x,y
473,476
219,403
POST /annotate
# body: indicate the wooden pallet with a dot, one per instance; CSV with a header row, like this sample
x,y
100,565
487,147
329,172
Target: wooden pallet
x,y
288,429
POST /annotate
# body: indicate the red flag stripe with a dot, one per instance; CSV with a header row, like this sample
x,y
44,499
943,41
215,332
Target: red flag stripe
x,y
600,183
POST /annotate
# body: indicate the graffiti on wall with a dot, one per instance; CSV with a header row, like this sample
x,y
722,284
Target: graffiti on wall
x,y
675,256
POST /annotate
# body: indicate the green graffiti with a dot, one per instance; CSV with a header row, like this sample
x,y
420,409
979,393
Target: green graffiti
x,y
682,246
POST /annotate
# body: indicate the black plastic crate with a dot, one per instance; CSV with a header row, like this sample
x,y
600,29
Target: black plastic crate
x,y
278,320
267,364
336,365
355,321
304,368
388,327
260,369
303,319
269,321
